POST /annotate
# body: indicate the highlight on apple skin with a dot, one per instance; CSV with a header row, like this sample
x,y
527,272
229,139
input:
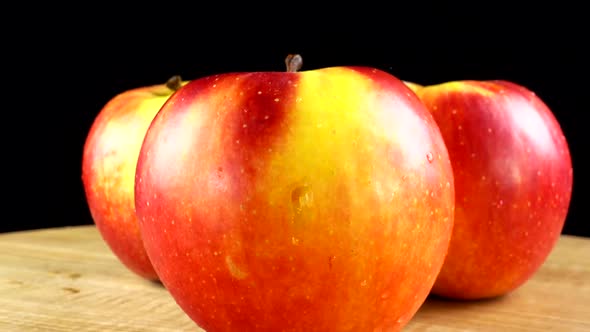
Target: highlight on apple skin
x,y
317,200
108,169
513,181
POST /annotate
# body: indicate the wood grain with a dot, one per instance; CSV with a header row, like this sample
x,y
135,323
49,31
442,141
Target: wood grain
x,y
66,279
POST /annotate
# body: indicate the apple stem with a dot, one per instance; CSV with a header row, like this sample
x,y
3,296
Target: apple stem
x,y
174,83
293,62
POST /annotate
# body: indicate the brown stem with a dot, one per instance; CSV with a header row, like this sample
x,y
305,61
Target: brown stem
x,y
174,83
293,62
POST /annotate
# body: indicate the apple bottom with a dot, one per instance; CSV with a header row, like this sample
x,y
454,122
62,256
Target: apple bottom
x,y
258,275
491,259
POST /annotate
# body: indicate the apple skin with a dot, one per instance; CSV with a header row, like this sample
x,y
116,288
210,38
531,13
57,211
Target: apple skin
x,y
319,200
513,183
109,160
413,86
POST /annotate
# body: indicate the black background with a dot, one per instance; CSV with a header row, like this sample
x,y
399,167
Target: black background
x,y
63,70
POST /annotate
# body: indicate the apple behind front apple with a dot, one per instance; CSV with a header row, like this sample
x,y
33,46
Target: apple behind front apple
x,y
513,183
108,169
319,200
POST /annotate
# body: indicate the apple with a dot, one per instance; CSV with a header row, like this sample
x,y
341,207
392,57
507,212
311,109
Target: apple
x,y
108,169
317,200
513,183
413,85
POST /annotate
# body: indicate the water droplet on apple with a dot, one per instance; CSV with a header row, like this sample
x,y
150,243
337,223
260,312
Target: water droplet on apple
x,y
429,157
301,199
331,261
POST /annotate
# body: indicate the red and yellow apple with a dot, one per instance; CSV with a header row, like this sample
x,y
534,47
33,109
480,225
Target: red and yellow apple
x,y
317,200
108,169
513,182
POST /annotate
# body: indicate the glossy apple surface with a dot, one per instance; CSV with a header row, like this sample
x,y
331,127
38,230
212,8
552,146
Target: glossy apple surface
x,y
513,182
108,169
318,200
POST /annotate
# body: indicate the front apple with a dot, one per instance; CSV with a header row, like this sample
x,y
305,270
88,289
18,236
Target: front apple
x,y
319,200
108,169
513,181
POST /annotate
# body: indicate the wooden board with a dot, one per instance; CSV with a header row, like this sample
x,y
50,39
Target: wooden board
x,y
66,279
